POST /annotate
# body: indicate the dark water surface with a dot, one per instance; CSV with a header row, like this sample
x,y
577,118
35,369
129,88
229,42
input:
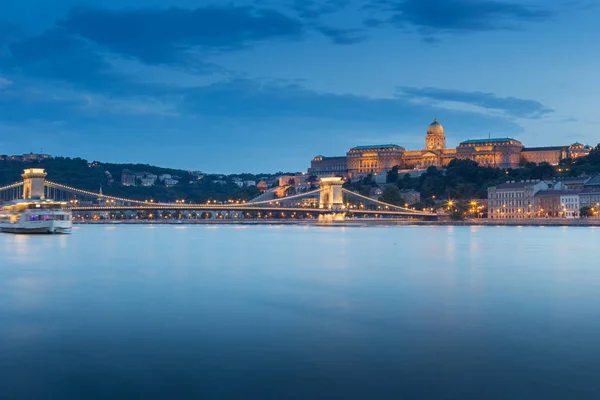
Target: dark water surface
x,y
301,312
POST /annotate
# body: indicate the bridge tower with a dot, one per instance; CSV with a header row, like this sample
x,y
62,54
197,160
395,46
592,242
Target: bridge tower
x,y
331,195
33,183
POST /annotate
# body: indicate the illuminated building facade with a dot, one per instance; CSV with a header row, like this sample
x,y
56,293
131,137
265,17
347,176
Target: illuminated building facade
x,y
554,154
514,200
327,166
492,152
373,159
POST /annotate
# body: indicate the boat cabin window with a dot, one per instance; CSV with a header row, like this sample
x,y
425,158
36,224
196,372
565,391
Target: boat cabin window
x,y
49,217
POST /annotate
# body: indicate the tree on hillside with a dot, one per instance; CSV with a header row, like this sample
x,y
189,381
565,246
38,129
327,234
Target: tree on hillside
x,y
391,195
392,175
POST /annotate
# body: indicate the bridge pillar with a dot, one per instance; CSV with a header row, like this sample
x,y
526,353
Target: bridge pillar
x,y
33,183
331,195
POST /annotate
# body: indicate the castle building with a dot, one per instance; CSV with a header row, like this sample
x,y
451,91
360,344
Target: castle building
x,y
327,166
496,152
373,159
492,152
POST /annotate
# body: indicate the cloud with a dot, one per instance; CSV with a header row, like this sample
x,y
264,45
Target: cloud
x,y
55,54
315,9
242,100
4,83
443,16
59,56
250,99
512,106
168,36
342,36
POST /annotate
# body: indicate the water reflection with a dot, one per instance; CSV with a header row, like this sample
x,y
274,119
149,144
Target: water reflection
x,y
300,312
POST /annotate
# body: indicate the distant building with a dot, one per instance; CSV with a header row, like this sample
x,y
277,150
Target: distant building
x,y
293,180
127,178
327,166
514,200
364,160
497,152
146,182
492,152
249,183
571,207
170,181
162,177
262,186
411,196
109,178
375,193
548,203
593,182
198,175
31,157
590,195
575,184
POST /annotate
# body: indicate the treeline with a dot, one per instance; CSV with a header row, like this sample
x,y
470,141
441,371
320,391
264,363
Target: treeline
x,y
589,165
80,173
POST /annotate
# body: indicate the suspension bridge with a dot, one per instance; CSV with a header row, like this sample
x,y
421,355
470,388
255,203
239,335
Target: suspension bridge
x,y
330,201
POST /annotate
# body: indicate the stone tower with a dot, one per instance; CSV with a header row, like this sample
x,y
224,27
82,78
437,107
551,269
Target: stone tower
x,y
33,183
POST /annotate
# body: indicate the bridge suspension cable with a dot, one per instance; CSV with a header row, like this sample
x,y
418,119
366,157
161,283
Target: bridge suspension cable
x,y
11,192
349,192
92,194
141,202
296,196
11,186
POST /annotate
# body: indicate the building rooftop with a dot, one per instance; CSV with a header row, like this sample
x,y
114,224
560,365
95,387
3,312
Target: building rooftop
x,y
332,157
552,192
590,190
506,139
376,146
546,148
595,181
517,185
573,179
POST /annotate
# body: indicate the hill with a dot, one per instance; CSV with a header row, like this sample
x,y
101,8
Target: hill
x,y
80,173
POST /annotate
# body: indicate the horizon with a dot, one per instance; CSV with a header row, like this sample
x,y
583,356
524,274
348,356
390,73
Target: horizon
x,y
254,86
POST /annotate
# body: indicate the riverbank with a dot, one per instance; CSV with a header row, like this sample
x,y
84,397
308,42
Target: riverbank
x,y
358,222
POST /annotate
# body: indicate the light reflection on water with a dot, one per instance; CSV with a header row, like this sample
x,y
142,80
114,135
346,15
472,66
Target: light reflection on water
x,y
301,312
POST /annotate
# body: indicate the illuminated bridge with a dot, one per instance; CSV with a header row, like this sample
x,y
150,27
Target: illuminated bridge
x,y
329,202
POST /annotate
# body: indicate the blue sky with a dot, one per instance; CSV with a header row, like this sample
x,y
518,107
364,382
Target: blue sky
x,y
265,85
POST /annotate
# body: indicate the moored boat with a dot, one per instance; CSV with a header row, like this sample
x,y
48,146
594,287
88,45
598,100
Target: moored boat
x,y
35,216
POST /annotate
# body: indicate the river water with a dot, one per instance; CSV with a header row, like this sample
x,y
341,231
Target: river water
x,y
286,312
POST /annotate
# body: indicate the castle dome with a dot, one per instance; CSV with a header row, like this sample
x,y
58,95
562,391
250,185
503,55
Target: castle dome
x,y
435,128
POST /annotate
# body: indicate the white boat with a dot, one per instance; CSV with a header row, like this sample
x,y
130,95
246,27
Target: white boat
x,y
35,216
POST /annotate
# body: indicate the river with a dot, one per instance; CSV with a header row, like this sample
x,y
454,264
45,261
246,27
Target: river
x,y
290,312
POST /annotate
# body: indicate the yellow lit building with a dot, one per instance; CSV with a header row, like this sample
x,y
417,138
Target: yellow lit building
x,y
492,152
554,154
362,160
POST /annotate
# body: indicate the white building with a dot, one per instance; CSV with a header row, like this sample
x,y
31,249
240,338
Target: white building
x,y
171,182
569,203
147,181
